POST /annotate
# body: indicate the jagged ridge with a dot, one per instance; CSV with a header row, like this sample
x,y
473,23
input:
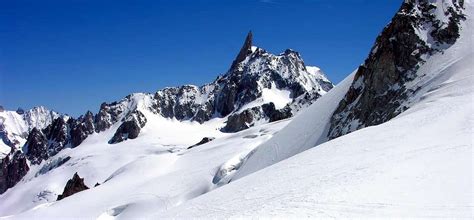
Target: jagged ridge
x,y
244,94
380,89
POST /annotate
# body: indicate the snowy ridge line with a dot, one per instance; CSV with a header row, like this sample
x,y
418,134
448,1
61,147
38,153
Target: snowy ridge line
x,y
259,88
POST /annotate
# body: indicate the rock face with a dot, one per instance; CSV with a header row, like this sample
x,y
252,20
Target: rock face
x,y
379,91
73,186
36,147
57,135
249,117
130,128
81,128
15,127
253,75
244,51
12,169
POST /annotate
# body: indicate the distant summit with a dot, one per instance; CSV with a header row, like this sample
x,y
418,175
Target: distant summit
x,y
259,87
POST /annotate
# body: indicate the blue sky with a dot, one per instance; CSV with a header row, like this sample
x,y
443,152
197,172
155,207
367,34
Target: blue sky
x,y
71,56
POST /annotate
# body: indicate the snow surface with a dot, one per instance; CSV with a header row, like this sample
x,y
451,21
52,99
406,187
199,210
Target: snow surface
x,y
419,164
153,172
279,97
306,130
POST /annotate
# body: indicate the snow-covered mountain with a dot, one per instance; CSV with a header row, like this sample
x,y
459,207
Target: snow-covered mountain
x,y
394,139
258,88
16,125
395,76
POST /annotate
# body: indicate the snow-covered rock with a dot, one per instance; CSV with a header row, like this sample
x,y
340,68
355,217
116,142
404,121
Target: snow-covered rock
x,y
15,127
258,88
389,80
416,162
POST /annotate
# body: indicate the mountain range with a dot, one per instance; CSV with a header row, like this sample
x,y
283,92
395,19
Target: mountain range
x,y
271,137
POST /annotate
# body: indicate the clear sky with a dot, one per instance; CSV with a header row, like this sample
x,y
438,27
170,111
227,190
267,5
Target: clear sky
x,y
72,55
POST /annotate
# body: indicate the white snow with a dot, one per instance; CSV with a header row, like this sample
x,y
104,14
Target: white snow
x,y
152,172
279,97
253,48
306,130
419,164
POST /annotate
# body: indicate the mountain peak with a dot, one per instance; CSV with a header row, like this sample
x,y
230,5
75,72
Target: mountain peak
x,y
245,50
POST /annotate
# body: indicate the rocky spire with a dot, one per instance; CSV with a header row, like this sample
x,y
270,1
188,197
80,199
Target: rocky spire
x,y
73,186
244,51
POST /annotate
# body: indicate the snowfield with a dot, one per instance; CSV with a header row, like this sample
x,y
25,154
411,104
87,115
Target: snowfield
x,y
417,165
154,171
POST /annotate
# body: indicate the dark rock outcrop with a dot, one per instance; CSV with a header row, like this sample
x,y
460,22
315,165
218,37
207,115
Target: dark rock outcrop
x,y
130,128
243,120
73,186
57,135
378,92
244,51
81,128
20,111
274,114
12,169
36,147
247,118
202,141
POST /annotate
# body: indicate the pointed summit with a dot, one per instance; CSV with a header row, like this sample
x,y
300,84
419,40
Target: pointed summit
x,y
244,51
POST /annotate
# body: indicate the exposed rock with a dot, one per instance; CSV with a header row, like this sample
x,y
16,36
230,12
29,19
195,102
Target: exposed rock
x,y
378,92
81,128
243,120
12,169
276,115
57,135
244,51
73,186
20,111
252,71
36,147
203,141
130,128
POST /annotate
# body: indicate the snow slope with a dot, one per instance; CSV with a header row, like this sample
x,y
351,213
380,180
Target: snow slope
x,y
306,130
154,170
311,127
419,164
